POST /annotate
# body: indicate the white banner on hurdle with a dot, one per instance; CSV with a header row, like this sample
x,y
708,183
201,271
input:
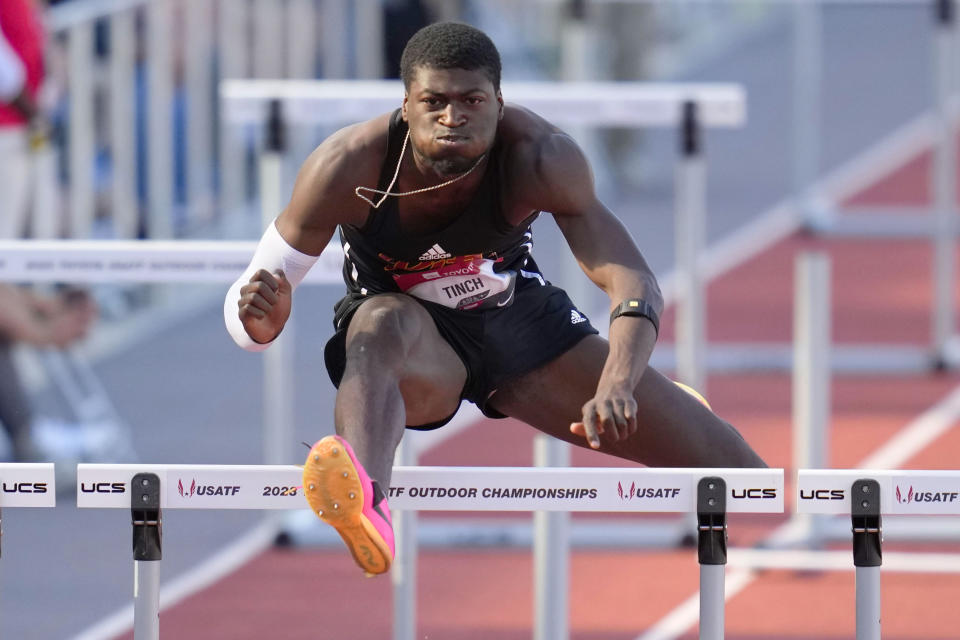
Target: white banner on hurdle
x,y
442,488
901,492
27,484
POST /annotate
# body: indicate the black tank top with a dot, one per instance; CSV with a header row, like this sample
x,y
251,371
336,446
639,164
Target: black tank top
x,y
471,263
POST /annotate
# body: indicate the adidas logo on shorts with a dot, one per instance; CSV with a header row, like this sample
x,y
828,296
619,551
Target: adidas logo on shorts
x,y
576,317
435,252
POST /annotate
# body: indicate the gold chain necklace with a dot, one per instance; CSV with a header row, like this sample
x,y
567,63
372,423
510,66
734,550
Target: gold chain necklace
x,y
396,173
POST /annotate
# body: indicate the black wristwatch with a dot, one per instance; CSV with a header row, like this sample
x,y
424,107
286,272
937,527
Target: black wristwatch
x,y
637,307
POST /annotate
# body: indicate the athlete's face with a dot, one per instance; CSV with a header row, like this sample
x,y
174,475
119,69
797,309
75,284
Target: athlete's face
x,y
453,115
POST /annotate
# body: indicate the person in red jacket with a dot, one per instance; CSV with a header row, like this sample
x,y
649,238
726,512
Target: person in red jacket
x,y
21,74
26,317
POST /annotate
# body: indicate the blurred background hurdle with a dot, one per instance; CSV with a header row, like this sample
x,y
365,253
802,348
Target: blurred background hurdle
x,y
711,493
277,106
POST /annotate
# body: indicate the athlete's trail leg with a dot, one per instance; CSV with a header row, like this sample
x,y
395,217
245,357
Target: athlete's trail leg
x,y
674,429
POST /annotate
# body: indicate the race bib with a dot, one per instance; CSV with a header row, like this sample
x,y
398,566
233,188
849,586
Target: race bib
x,y
465,284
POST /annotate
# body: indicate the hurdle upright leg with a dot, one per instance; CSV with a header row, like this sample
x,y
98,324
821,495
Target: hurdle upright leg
x,y
867,556
712,554
404,571
145,512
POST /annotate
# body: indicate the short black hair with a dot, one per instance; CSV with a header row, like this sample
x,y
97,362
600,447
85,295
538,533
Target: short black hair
x,y
450,45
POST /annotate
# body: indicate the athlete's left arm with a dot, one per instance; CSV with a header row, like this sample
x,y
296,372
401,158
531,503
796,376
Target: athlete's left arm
x,y
608,255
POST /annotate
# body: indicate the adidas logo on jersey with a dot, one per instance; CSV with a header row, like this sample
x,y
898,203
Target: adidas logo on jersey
x,y
434,253
576,317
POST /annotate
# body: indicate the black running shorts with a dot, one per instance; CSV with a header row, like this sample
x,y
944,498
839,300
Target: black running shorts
x,y
495,345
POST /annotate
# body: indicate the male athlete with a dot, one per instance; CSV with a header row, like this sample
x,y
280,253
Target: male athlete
x,y
444,301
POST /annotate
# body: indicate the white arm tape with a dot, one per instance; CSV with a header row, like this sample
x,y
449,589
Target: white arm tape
x,y
272,253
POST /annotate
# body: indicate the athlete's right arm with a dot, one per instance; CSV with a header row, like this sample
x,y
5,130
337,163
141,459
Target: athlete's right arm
x,y
257,306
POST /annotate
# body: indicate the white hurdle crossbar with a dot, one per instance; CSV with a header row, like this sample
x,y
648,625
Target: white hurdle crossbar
x,y
711,493
866,496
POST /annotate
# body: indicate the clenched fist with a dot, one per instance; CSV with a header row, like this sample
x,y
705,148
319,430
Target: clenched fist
x,y
265,305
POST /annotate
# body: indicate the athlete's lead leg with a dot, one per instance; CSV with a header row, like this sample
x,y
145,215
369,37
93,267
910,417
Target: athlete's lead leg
x,y
398,371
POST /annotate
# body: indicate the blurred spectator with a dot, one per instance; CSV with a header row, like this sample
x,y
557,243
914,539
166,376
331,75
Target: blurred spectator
x,y
42,321
21,124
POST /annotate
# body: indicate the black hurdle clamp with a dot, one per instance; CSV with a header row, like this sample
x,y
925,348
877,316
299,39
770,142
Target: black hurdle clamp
x,y
145,513
712,520
690,135
865,513
945,12
276,133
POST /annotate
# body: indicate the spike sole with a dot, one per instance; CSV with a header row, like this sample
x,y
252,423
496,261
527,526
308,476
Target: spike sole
x,y
329,480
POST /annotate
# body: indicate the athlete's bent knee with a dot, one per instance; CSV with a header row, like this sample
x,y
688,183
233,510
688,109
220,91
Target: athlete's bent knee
x,y
385,326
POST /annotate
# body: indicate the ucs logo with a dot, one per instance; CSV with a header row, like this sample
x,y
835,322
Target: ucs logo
x,y
753,494
822,494
25,487
103,487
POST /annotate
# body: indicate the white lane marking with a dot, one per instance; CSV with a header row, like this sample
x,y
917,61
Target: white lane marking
x,y
908,442
679,620
202,576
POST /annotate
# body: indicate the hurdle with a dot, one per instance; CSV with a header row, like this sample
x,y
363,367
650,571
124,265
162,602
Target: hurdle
x,y
710,493
936,127
866,495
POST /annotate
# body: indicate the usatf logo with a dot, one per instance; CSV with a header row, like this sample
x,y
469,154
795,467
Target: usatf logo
x,y
925,496
206,489
646,492
187,493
